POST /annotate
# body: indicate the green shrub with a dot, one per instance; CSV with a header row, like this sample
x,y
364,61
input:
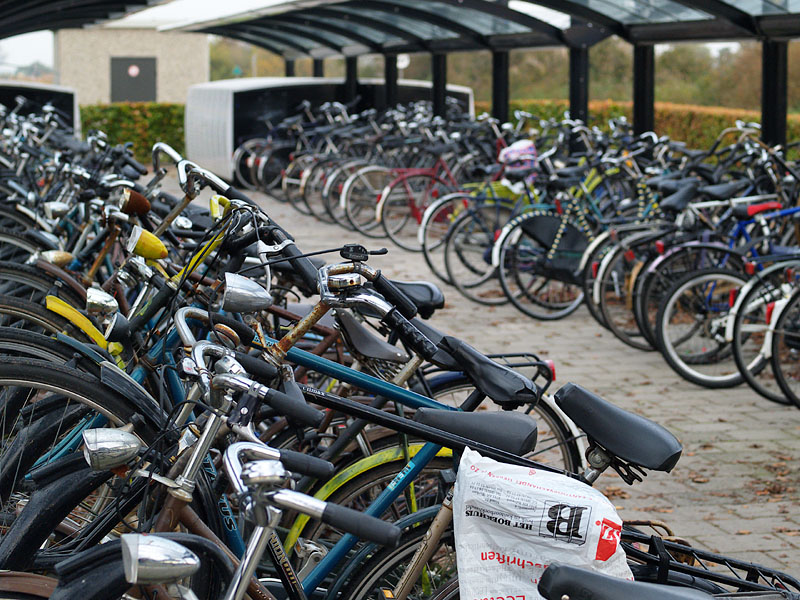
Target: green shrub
x,y
698,126
143,123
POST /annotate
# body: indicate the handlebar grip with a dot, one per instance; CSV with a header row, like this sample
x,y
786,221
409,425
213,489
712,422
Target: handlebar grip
x,y
395,296
361,525
260,369
294,409
245,333
412,336
148,311
135,164
234,194
304,267
307,465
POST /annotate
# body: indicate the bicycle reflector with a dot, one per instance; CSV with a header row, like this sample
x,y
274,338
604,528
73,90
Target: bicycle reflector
x,y
750,267
660,246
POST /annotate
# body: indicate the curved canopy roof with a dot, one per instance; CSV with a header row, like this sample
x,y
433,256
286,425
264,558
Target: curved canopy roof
x,y
24,16
320,28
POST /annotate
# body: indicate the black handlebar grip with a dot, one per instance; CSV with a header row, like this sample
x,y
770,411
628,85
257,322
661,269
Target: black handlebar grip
x,y
258,368
234,194
395,296
135,164
409,333
155,304
361,525
294,409
307,465
245,333
304,267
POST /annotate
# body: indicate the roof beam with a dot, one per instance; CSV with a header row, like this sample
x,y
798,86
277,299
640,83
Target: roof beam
x,y
422,15
727,12
501,11
332,13
250,39
323,25
584,13
287,39
298,32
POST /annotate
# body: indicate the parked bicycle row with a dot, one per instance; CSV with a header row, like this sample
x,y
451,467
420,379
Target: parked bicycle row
x,y
618,230
279,426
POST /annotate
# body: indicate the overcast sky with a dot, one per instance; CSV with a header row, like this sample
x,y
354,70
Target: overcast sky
x,y
31,47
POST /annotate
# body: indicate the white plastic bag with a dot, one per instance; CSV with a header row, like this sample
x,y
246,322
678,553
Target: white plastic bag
x,y
512,522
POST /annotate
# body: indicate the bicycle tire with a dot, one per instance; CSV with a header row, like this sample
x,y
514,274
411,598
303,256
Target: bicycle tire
x,y
359,196
784,357
684,317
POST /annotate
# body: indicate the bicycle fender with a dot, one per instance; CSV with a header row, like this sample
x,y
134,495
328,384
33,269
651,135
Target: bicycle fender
x,y
74,316
354,470
124,384
32,215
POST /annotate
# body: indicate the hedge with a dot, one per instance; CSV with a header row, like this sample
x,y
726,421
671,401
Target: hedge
x,y
143,123
698,126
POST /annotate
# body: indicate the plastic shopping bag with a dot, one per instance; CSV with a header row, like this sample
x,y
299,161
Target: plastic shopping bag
x,y
511,522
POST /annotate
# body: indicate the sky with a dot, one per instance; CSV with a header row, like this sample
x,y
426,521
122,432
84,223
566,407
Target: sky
x,y
31,47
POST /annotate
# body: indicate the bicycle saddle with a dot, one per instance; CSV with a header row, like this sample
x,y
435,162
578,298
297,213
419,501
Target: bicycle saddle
x,y
509,431
363,342
723,191
565,581
504,386
427,296
572,172
627,436
679,200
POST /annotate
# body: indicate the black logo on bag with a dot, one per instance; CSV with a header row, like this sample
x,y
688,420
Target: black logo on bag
x,y
566,523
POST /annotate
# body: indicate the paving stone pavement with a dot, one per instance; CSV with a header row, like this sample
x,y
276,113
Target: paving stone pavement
x,y
735,489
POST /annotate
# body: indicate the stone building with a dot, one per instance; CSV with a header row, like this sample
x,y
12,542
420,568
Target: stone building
x,y
115,65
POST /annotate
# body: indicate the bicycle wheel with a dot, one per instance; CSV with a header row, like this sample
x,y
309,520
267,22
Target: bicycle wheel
x,y
540,259
402,205
616,280
751,331
243,158
691,327
314,183
596,252
291,183
664,271
26,282
332,191
433,230
468,252
360,194
786,350
15,247
385,567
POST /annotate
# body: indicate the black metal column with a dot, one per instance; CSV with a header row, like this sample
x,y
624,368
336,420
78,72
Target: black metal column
x,y
289,67
644,86
500,85
318,67
439,73
390,79
350,78
774,67
579,83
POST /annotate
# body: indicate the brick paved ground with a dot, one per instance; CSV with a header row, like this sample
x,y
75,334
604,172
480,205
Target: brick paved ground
x,y
735,489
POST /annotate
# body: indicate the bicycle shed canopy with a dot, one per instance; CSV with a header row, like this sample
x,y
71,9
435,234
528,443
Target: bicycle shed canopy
x,y
350,28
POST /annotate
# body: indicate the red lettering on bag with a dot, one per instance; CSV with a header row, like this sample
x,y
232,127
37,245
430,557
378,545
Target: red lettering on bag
x,y
609,539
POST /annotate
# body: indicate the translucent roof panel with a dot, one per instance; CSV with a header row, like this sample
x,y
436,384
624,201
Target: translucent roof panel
x,y
336,40
422,29
553,17
482,22
631,12
766,7
377,36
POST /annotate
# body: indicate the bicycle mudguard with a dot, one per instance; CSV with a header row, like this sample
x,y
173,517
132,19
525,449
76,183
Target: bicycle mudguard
x,y
124,384
351,472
